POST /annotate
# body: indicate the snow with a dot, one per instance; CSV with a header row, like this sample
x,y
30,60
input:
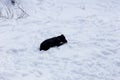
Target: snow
x,y
90,26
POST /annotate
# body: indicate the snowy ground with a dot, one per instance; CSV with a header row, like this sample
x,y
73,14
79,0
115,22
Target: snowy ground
x,y
92,28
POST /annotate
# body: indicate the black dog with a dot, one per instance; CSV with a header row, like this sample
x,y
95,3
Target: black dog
x,y
52,42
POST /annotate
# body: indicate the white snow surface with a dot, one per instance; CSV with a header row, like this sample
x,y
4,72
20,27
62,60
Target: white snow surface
x,y
92,28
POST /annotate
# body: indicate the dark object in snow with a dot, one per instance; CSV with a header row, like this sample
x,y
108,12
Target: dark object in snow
x,y
13,2
52,42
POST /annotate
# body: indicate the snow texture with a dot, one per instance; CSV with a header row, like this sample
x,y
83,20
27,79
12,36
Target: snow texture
x,y
92,28
11,10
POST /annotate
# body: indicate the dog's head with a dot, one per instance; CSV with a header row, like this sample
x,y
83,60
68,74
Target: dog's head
x,y
62,38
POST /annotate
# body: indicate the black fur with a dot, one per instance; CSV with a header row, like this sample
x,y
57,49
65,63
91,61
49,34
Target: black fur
x,y
52,42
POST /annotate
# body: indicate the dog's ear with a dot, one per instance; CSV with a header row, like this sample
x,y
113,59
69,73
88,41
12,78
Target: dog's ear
x,y
62,35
